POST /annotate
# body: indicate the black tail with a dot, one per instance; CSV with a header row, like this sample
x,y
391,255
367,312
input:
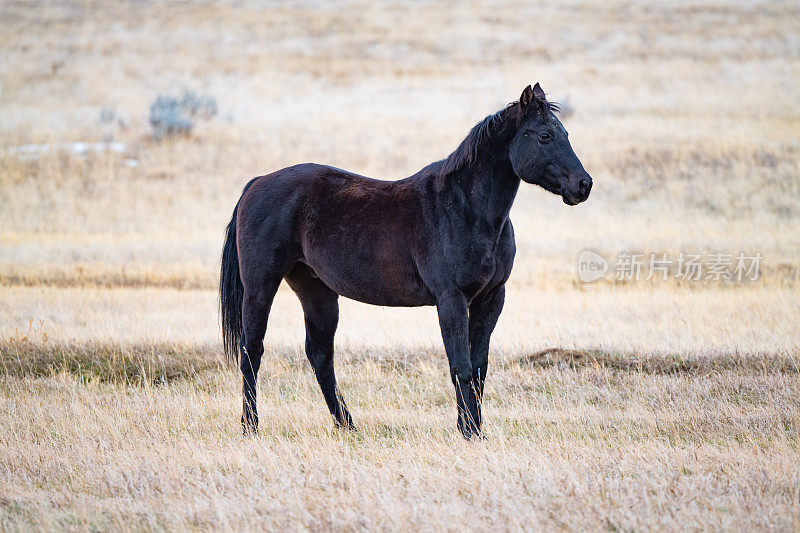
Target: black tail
x,y
231,289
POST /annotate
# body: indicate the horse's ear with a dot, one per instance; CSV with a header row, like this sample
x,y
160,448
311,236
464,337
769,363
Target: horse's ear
x,y
533,96
538,95
527,97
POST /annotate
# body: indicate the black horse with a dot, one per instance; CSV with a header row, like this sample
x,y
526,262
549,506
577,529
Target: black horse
x,y
440,237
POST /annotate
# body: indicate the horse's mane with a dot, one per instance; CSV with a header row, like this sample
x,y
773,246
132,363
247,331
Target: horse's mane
x,y
467,151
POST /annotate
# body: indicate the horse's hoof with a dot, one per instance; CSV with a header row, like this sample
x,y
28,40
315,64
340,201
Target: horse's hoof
x,y
474,436
249,427
345,427
470,431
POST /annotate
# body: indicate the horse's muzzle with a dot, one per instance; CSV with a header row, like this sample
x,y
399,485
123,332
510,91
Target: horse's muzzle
x,y
577,189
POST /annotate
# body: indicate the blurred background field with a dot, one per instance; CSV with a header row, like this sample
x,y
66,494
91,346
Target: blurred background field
x,y
688,119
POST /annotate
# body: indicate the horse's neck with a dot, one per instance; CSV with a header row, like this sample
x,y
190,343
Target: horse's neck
x,y
490,188
485,188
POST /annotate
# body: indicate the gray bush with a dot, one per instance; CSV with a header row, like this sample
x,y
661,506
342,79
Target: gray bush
x,y
171,116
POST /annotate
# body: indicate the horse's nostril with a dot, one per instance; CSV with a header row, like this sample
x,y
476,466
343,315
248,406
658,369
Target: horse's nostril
x,y
583,184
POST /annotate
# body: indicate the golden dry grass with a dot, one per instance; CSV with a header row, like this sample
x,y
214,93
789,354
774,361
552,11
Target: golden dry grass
x,y
575,447
621,406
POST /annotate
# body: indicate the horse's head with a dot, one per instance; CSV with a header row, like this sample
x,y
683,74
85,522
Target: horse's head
x,y
540,151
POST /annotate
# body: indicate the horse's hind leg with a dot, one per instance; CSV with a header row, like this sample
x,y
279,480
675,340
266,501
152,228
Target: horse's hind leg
x,y
256,304
321,309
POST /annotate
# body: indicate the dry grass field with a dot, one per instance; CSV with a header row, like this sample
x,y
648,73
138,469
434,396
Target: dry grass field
x,y
619,405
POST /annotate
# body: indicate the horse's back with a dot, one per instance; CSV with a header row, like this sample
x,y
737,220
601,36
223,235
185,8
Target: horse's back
x,y
313,181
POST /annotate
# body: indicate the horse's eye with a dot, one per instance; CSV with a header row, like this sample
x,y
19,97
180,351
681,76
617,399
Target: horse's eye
x,y
545,137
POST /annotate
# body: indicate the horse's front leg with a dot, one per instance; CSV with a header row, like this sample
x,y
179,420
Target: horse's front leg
x,y
454,322
483,314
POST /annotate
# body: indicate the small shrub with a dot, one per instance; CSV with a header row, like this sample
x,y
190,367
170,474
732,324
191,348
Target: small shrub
x,y
171,116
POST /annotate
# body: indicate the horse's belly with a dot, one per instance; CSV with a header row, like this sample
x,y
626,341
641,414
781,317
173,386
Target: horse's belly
x,y
376,284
